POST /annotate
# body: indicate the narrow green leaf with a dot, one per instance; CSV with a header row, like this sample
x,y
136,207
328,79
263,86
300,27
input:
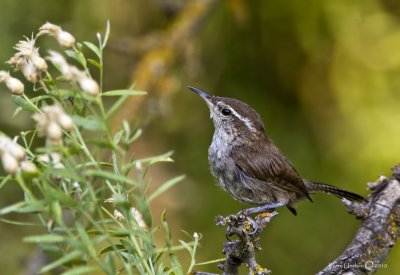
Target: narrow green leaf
x,y
93,48
16,112
94,63
84,238
114,233
187,247
176,265
109,266
5,180
164,187
56,210
161,158
137,135
21,223
106,35
127,128
65,92
110,176
20,101
165,225
44,239
117,137
64,173
92,123
78,56
123,92
67,258
81,270
12,208
113,248
24,207
39,98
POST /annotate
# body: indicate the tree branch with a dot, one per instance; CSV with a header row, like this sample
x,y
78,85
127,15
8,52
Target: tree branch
x,y
365,254
378,232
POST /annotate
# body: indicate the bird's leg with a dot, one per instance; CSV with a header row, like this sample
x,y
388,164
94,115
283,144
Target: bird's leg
x,y
269,208
265,208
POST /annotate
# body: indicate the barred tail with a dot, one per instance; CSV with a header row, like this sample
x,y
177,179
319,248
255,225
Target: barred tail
x,y
313,187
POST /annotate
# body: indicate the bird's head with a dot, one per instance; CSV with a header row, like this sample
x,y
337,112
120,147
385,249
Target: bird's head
x,y
232,116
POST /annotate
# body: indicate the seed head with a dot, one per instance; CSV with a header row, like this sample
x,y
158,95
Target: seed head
x,y
53,131
53,158
28,60
51,122
13,157
28,167
10,164
13,84
118,215
65,122
72,73
139,219
65,39
88,85
30,72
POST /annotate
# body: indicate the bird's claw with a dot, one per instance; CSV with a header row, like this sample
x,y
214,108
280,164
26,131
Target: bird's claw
x,y
242,219
251,224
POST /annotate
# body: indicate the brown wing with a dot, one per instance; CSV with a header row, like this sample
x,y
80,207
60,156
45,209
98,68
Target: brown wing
x,y
267,163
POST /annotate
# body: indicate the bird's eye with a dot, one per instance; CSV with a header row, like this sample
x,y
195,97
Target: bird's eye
x,y
226,112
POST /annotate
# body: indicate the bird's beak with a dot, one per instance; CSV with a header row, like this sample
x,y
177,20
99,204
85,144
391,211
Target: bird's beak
x,y
201,93
207,98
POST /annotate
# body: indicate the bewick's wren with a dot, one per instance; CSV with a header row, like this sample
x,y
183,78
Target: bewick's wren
x,y
248,165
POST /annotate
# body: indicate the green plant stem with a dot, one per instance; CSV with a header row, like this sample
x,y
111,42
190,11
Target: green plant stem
x,y
84,147
31,103
193,260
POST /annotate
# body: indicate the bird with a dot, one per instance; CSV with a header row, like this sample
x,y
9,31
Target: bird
x,y
250,167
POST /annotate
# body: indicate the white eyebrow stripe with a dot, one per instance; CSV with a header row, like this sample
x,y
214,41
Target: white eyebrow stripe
x,y
245,120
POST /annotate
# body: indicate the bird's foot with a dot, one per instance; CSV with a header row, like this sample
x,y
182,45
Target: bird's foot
x,y
246,223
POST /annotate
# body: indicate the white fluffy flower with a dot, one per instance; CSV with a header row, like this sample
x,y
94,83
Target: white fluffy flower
x,y
28,60
70,72
13,157
65,39
53,158
53,131
13,84
51,123
89,86
28,167
10,164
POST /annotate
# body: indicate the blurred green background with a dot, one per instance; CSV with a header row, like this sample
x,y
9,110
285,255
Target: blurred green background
x,y
324,76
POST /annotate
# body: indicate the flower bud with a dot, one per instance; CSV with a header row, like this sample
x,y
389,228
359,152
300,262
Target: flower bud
x,y
10,164
39,63
89,86
15,86
4,76
65,122
15,150
65,39
139,219
118,215
28,167
53,131
31,73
